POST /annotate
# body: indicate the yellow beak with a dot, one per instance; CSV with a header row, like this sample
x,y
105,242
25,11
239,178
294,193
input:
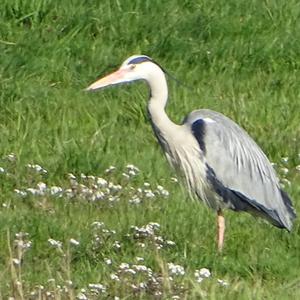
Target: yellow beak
x,y
113,78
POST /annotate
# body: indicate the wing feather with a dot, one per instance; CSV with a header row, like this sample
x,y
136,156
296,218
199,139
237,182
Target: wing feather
x,y
241,166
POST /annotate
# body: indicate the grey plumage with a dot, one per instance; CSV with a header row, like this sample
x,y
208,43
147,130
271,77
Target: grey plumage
x,y
237,164
220,162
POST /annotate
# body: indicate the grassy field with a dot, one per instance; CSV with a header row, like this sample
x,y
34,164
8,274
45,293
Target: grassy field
x,y
77,221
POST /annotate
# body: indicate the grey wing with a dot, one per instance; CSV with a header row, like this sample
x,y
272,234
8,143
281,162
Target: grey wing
x,y
238,170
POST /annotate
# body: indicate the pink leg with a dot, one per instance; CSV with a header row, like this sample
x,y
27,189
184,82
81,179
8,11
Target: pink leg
x,y
221,230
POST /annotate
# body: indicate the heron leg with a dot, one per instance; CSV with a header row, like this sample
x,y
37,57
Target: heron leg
x,y
221,230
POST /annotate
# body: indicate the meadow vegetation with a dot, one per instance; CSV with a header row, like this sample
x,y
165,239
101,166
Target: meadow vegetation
x,y
89,208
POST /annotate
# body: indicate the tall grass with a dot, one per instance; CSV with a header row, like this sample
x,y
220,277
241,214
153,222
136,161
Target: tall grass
x,y
240,58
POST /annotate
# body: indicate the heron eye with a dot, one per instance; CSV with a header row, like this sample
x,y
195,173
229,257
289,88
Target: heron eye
x,y
132,66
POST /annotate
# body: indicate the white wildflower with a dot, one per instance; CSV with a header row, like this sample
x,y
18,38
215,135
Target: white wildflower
x,y
159,239
142,285
97,224
176,269
170,243
174,179
132,167
2,170
165,193
124,266
54,243
298,168
33,191
108,261
20,193
114,188
125,175
71,176
149,194
99,195
154,225
19,283
22,244
222,282
204,272
42,186
135,200
160,188
139,258
81,296
37,168
98,286
284,170
117,245
201,274
113,199
21,235
140,268
74,242
11,157
132,173
114,277
69,282
130,271
146,184
162,191
101,182
69,193
55,190
16,261
284,159
110,169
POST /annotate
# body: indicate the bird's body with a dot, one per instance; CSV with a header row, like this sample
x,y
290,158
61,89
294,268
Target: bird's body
x,y
220,162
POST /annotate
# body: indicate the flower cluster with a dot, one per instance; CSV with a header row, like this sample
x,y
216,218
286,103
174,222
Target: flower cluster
x,y
285,169
22,244
202,274
102,236
92,188
175,269
37,168
148,235
137,278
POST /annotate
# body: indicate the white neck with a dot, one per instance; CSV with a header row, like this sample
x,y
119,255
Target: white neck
x,y
158,99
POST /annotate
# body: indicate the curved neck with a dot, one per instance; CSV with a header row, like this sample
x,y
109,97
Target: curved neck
x,y
158,100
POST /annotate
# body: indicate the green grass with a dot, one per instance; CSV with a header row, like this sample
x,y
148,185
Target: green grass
x,y
240,58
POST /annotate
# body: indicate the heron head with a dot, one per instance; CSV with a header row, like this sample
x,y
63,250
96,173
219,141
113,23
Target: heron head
x,y
133,68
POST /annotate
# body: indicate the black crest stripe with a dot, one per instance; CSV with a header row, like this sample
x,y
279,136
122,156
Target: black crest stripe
x,y
139,60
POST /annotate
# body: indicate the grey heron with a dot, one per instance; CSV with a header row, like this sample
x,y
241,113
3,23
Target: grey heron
x,y
220,162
